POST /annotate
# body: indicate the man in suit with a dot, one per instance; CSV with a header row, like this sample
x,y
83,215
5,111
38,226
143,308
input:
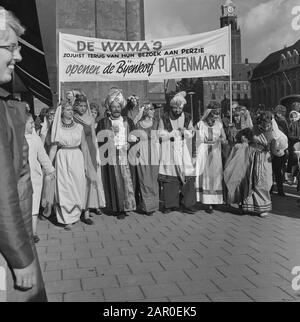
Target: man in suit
x,y
18,256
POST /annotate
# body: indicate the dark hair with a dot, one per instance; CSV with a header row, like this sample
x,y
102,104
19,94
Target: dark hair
x,y
247,133
80,98
214,105
28,116
95,107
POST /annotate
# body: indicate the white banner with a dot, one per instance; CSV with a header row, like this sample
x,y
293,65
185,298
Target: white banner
x,y
84,59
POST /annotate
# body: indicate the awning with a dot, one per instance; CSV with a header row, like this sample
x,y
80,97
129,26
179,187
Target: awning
x,y
32,69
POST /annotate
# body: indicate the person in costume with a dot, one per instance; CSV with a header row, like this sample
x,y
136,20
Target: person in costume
x,y
209,167
113,134
176,170
38,161
278,147
148,161
70,192
294,139
95,199
251,184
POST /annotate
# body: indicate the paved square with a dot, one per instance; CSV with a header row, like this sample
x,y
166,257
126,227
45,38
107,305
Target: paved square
x,y
174,257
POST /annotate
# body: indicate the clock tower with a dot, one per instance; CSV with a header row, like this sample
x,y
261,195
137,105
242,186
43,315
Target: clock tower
x,y
229,17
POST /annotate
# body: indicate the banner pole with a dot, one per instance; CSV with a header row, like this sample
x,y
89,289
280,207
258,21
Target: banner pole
x,y
230,74
58,78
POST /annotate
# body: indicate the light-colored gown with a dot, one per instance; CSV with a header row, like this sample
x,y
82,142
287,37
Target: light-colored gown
x,y
71,182
209,168
38,159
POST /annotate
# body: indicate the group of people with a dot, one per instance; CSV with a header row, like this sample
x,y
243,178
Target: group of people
x,y
130,160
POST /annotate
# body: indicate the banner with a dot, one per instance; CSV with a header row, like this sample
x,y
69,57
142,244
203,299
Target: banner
x,y
84,59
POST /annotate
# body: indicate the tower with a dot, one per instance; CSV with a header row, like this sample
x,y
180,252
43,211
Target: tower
x,y
229,17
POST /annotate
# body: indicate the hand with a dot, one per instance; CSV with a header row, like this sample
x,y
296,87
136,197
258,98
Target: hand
x,y
133,138
26,277
52,175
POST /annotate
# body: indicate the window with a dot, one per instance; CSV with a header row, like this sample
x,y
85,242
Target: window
x,y
246,96
238,96
225,87
238,87
213,96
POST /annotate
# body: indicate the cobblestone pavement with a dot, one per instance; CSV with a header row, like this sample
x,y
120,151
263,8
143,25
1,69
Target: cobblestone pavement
x,y
174,257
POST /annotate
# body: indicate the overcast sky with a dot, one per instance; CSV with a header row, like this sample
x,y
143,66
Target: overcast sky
x,y
265,24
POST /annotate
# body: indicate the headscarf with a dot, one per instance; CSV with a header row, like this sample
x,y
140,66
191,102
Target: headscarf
x,y
73,93
57,123
297,118
115,95
178,99
89,144
86,118
281,140
280,109
206,114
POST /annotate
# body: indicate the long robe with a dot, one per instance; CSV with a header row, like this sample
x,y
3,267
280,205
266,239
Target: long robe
x,y
94,187
147,168
38,159
209,167
70,175
117,174
259,199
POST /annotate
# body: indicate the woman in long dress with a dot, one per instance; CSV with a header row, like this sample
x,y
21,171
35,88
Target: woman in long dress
x,y
148,161
38,161
250,185
69,163
95,199
209,167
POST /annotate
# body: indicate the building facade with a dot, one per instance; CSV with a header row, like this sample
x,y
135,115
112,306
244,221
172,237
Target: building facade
x,y
276,76
217,88
107,19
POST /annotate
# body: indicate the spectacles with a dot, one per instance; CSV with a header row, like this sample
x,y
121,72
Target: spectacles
x,y
12,48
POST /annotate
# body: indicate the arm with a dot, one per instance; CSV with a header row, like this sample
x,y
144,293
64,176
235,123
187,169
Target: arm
x,y
189,132
43,158
52,152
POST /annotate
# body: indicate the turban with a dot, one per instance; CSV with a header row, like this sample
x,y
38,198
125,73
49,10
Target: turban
x,y
115,95
178,99
280,109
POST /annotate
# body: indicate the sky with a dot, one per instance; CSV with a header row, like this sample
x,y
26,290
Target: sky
x,y
266,25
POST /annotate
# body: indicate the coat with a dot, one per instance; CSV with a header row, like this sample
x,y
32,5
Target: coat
x,y
16,242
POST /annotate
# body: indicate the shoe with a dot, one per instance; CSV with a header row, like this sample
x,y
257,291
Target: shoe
x,y
149,213
264,215
169,210
281,194
98,212
189,211
210,210
121,216
68,227
87,221
36,239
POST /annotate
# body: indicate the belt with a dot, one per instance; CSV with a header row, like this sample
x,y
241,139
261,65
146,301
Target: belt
x,y
64,147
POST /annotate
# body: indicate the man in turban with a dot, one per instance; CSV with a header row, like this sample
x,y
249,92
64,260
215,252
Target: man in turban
x,y
113,133
176,171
